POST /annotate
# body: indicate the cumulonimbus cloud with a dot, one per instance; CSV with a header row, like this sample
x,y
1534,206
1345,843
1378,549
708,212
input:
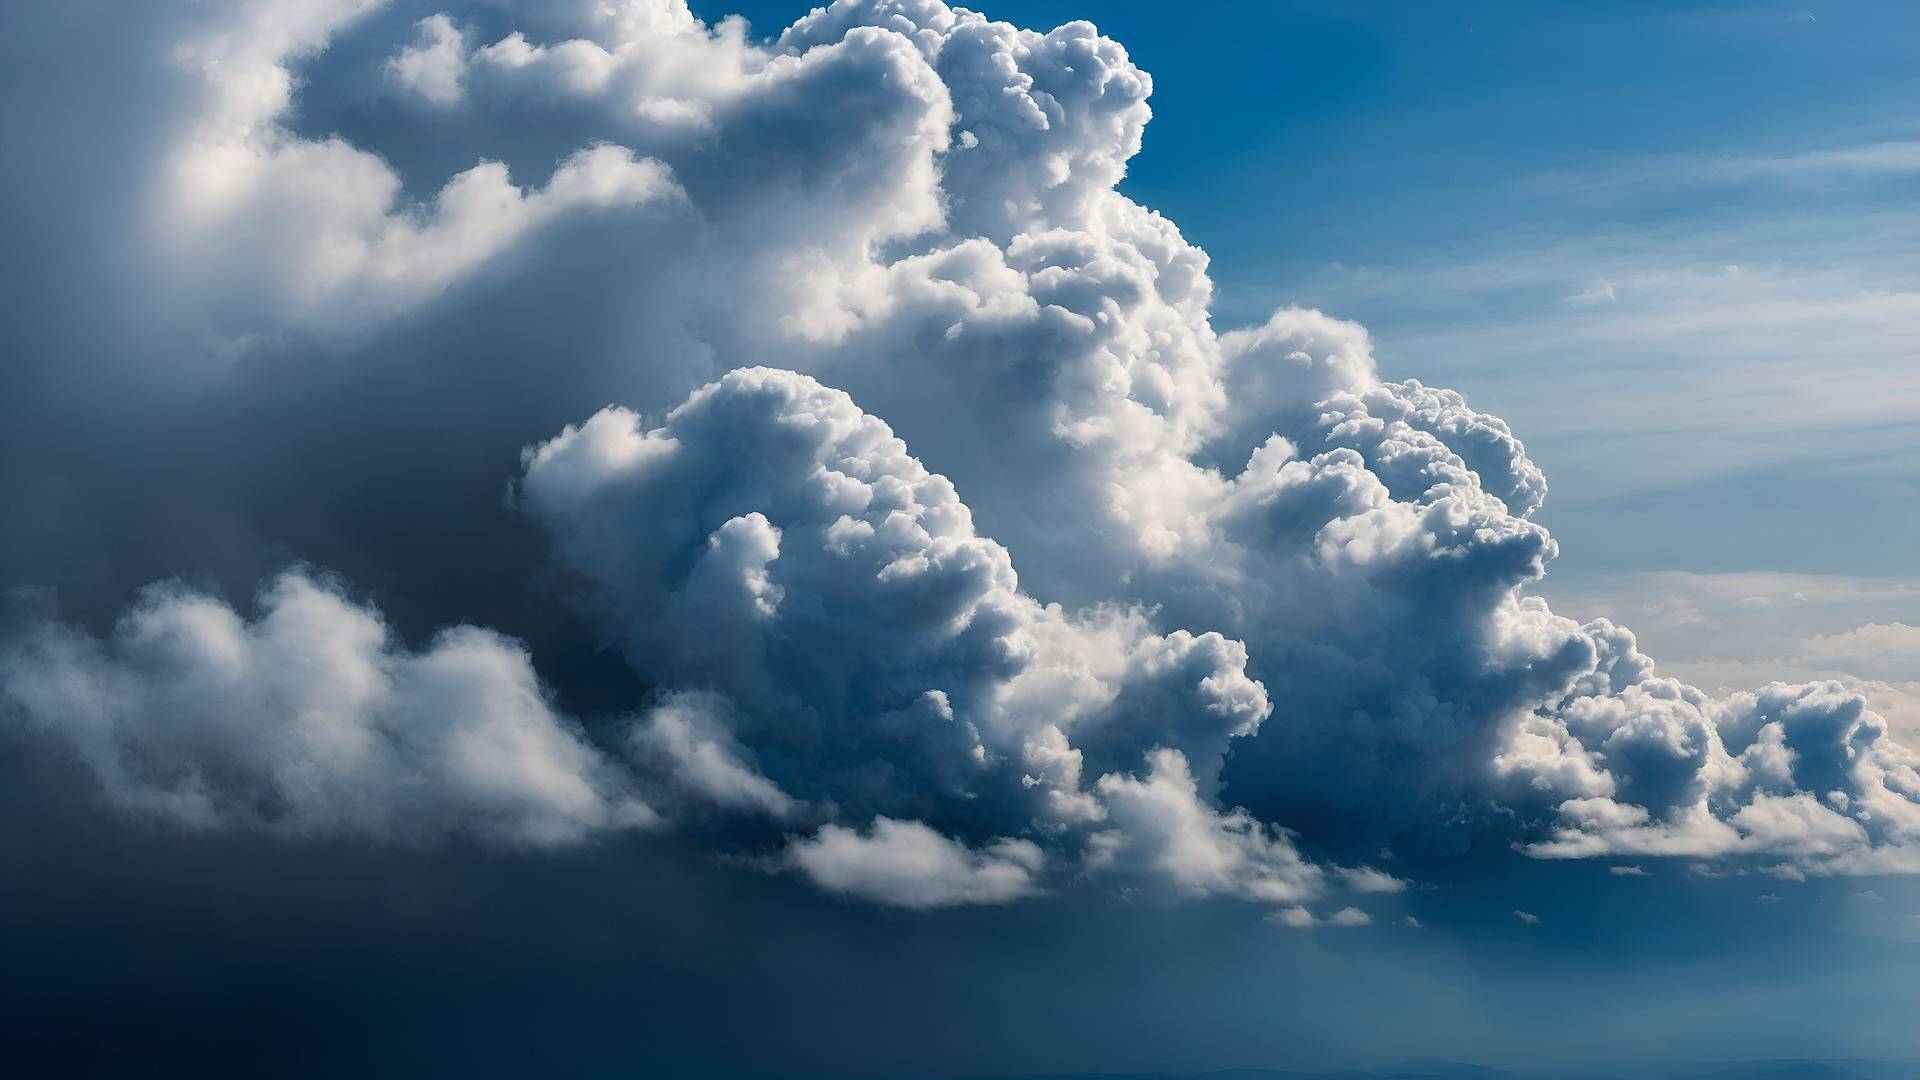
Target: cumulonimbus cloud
x,y
947,535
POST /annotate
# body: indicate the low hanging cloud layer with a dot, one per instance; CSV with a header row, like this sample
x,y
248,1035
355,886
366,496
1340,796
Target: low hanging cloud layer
x,y
310,718
947,541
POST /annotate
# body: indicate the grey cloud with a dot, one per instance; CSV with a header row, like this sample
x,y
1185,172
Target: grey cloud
x,y
689,734
906,864
284,230
877,655
434,66
1300,918
1164,825
1046,122
1369,880
1802,776
1268,611
310,718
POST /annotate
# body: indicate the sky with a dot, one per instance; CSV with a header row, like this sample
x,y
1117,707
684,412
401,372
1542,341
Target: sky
x,y
884,542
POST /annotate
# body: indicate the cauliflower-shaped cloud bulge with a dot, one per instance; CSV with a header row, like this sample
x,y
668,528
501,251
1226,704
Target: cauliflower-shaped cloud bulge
x,y
776,548
1270,610
311,718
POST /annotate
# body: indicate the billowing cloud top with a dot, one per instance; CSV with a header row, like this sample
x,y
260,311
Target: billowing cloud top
x,y
956,557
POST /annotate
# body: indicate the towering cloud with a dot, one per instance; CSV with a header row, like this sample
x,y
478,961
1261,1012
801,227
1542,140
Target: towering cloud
x,y
774,547
949,547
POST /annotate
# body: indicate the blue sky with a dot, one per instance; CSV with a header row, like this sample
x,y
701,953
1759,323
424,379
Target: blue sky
x,y
548,533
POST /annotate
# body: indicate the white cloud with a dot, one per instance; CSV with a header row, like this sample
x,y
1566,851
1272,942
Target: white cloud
x,y
434,67
1299,918
1349,917
845,600
1368,880
1890,650
907,864
278,229
1527,917
911,210
1164,824
1296,917
703,756
310,718
1701,633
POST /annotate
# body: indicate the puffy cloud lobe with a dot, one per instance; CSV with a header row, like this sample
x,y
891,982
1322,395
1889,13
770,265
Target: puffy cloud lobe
x,y
1284,367
310,718
768,502
906,864
1365,879
835,580
1374,584
1349,916
1093,381
1300,918
434,67
1044,121
264,229
1419,437
689,735
1802,778
1377,546
877,655
790,158
311,231
1164,825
